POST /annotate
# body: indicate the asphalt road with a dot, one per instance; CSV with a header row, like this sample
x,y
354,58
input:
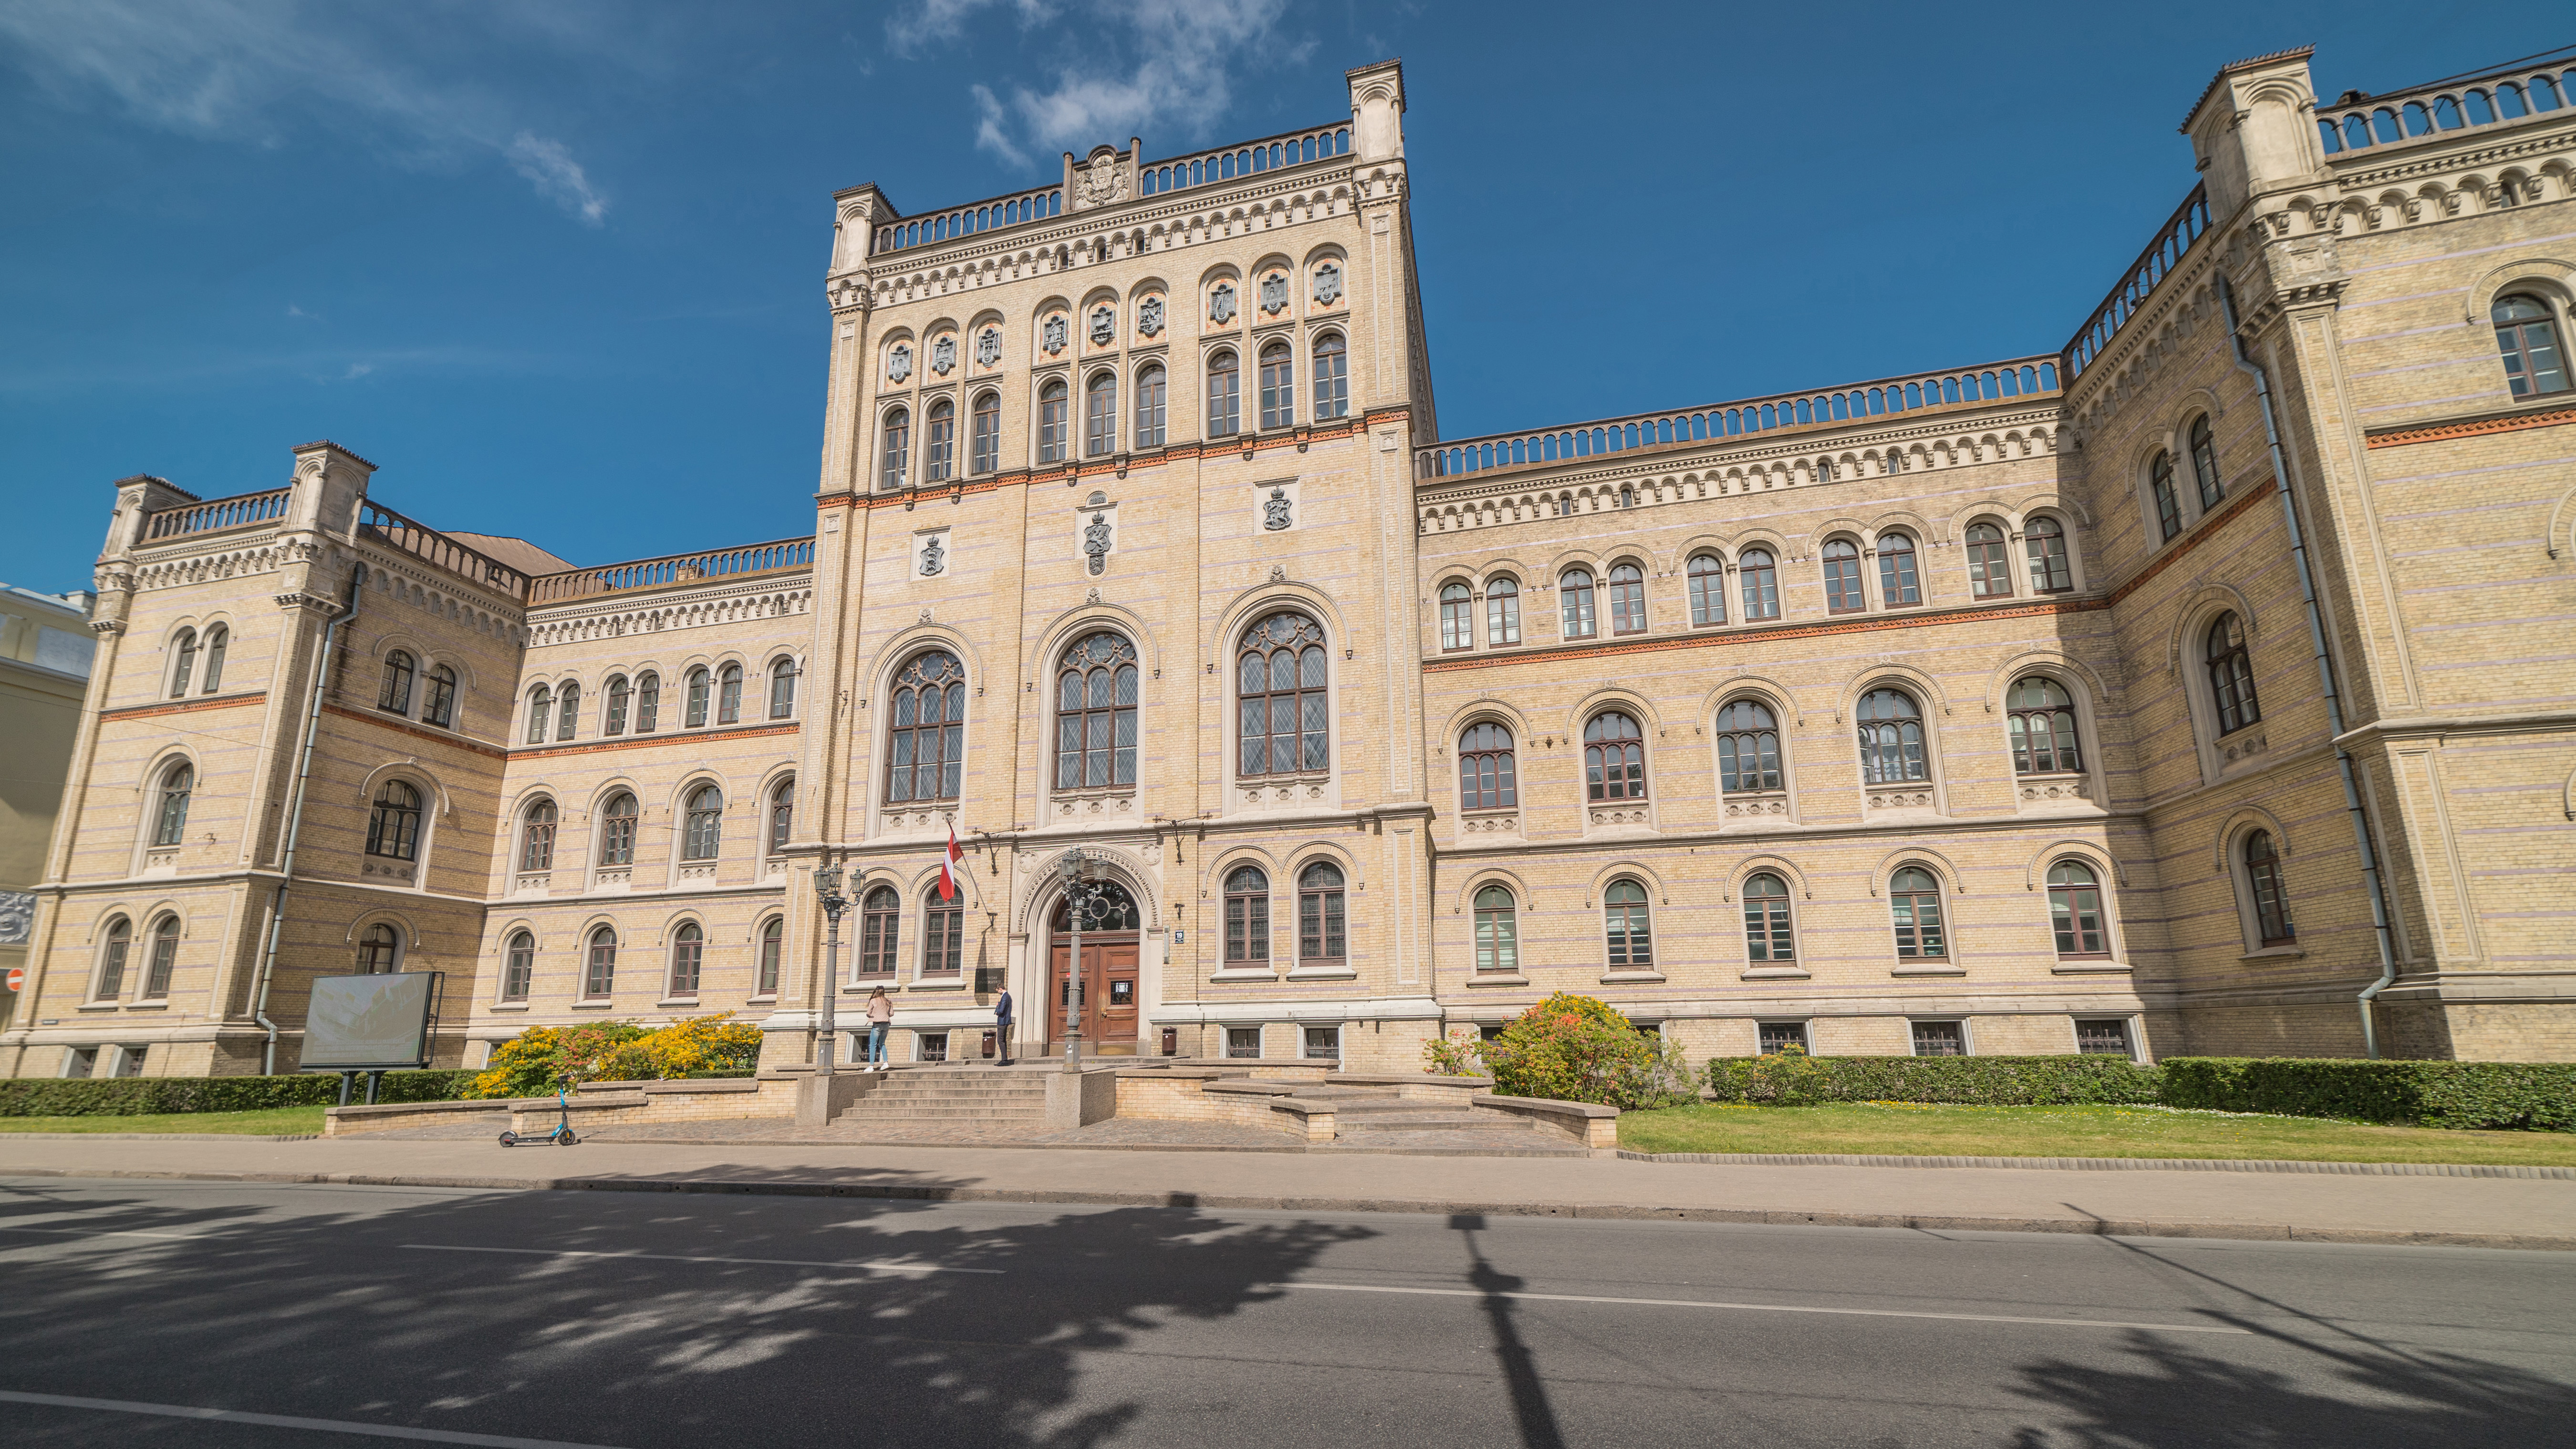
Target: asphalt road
x,y
318,1316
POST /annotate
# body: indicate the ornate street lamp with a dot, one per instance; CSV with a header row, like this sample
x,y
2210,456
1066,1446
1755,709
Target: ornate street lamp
x,y
827,894
1086,896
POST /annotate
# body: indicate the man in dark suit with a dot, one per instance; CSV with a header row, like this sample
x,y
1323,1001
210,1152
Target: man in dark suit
x,y
1002,1025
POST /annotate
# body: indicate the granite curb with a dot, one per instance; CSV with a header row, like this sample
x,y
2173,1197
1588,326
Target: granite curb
x,y
2110,1164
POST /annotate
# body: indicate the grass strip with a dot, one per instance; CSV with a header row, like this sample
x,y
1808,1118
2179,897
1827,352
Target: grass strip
x,y
271,1121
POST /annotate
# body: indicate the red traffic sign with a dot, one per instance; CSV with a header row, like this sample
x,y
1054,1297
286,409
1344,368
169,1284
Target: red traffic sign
x,y
17,978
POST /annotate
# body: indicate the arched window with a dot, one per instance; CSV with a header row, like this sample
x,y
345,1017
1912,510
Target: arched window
x,y
2528,338
379,950
519,967
165,960
1319,916
2204,464
1054,402
1247,917
1224,394
1151,392
1707,589
1914,902
729,695
1897,581
1748,748
438,705
1498,932
617,830
2043,540
541,704
1502,611
1095,720
898,448
688,953
1457,617
2160,481
926,752
1332,378
218,639
111,960
782,816
2272,925
1767,937
943,934
696,714
2231,676
1989,569
1891,738
1627,599
185,668
599,972
782,688
648,701
396,695
537,837
1623,917
178,782
2075,910
568,711
1485,771
1100,415
1278,387
393,827
2041,717
1574,593
1842,577
613,719
1283,713
880,926
1761,583
1614,758
942,441
773,950
702,829
986,456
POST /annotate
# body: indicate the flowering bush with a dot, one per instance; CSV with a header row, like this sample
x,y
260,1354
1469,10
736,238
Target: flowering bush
x,y
533,1062
1459,1054
1576,1049
685,1049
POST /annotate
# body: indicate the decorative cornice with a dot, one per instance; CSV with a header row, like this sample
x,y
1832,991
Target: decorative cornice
x,y
406,727
635,742
1714,639
2200,534
2468,427
1119,465
181,706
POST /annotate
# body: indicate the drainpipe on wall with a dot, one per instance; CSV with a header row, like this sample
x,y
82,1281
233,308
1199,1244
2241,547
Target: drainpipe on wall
x,y
295,817
2380,935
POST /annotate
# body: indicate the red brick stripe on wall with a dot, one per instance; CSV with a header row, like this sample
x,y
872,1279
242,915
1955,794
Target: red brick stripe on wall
x,y
2437,432
406,727
182,706
675,737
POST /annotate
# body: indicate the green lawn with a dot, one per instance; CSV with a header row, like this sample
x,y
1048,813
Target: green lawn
x,y
273,1121
1923,1130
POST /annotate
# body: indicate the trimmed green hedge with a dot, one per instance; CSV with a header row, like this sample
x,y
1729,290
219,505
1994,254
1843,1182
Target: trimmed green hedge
x,y
138,1096
2538,1096
1794,1080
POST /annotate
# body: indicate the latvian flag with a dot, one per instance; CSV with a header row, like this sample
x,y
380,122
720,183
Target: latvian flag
x,y
948,865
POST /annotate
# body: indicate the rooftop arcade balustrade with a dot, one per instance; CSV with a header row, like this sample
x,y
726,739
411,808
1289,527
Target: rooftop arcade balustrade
x,y
217,514
2499,97
782,556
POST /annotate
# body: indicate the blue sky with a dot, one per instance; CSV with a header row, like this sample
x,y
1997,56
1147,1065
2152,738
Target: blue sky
x,y
557,268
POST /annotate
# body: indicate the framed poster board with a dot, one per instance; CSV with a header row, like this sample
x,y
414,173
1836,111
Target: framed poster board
x,y
370,1023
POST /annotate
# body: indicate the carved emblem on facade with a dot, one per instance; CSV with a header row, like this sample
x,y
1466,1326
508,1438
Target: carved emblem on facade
x,y
1221,303
1051,336
17,917
899,362
988,347
1328,284
1102,182
933,556
1095,541
1149,316
1278,573
1104,325
1274,509
943,355
1274,293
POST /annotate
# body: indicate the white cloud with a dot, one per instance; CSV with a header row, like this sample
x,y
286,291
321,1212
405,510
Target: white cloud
x,y
557,176
990,133
927,22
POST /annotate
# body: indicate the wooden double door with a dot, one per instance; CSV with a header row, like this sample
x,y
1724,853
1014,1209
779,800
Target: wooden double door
x,y
1104,985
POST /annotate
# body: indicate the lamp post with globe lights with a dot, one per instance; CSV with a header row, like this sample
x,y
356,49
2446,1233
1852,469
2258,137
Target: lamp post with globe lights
x,y
1086,896
827,894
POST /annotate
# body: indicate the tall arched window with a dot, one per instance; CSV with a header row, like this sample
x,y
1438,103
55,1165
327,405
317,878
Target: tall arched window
x,y
519,967
541,705
695,714
926,751
164,963
1319,916
1100,415
986,444
1498,931
773,951
393,827
184,663
942,441
396,694
2272,925
1623,918
1283,711
1748,748
2041,717
1332,378
648,701
1457,617
2043,539
1842,577
111,960
1891,738
1485,770
537,836
2528,337
170,826
1989,569
1767,937
1054,403
1614,758
1247,917
438,704
1707,589
1224,394
1502,611
782,816
1761,584
2160,482
568,711
1897,580
218,639
1095,719
2231,676
702,828
1914,905
1574,594
1151,392
729,695
943,934
617,830
688,953
1278,387
379,950
782,688
1627,599
599,971
2075,910
897,451
2204,464
880,928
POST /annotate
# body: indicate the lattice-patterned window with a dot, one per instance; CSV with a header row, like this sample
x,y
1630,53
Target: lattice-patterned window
x,y
1284,710
1095,719
926,755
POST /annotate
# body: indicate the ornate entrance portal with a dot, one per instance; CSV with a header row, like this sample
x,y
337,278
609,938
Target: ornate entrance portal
x,y
1107,978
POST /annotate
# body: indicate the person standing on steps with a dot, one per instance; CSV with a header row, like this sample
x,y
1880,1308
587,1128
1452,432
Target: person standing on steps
x,y
1002,1024
880,1011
